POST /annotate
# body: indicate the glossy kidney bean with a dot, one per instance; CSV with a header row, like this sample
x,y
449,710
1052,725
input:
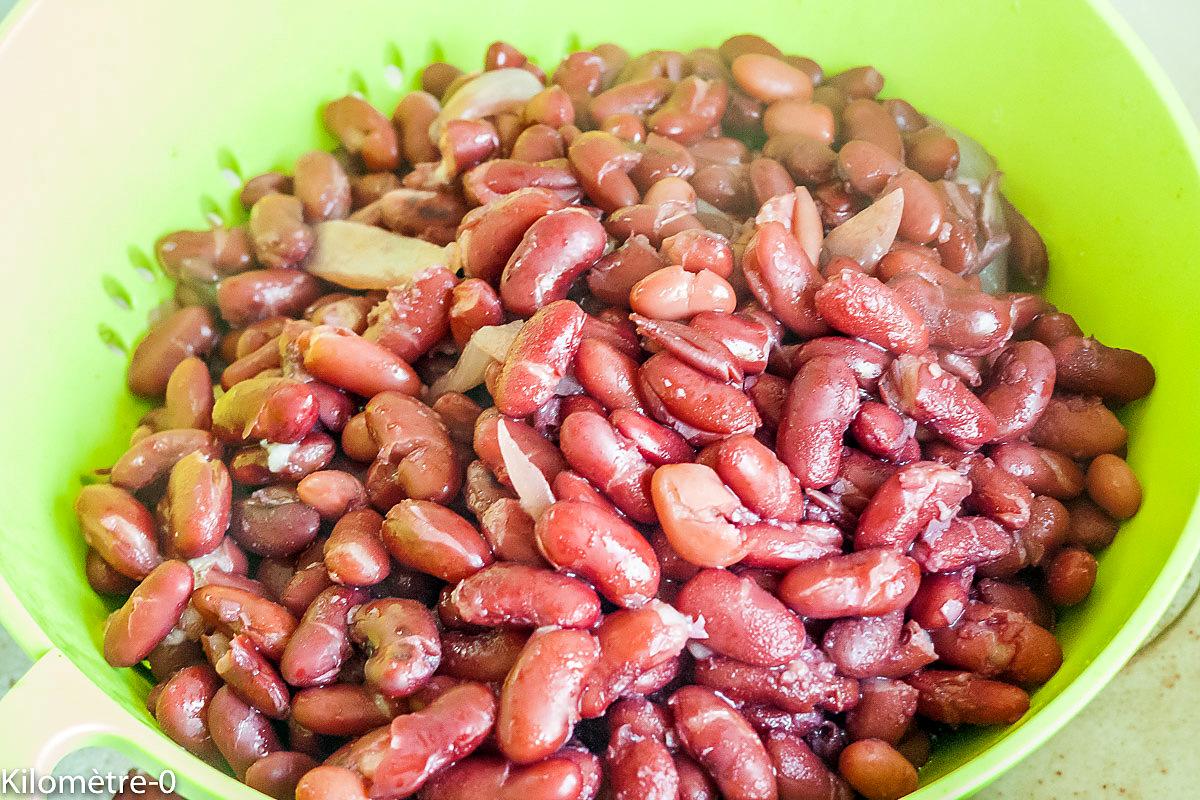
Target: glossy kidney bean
x,y
524,596
242,733
433,539
586,540
820,403
959,319
865,583
355,554
281,239
1027,252
259,464
880,430
692,346
474,305
697,406
1112,485
697,249
1079,427
270,408
332,492
277,774
189,397
236,611
996,642
876,770
401,638
919,388
204,256
415,315
321,186
356,364
610,460
539,358
398,759
721,740
416,458
262,184
1019,388
607,374
965,542
1045,472
800,773
252,677
758,477
783,279
509,531
104,579
485,657
326,783
743,621
1053,326
633,643
885,711
964,698
613,277
603,161
181,707
189,331
1089,526
780,546
868,362
748,338
539,702
555,250
320,643
693,108
1016,597
493,180
673,293
941,599
1070,576
364,132
539,450
699,515
880,646
196,505
151,458
639,768
1088,367
119,528
414,114
555,778
860,306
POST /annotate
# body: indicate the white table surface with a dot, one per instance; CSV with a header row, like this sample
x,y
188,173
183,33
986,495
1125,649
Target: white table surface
x,y
1137,739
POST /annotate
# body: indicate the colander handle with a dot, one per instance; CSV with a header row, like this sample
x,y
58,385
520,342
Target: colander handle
x,y
54,710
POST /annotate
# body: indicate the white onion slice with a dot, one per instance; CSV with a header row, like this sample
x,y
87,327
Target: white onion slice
x,y
869,234
533,491
360,256
975,163
486,94
797,212
488,344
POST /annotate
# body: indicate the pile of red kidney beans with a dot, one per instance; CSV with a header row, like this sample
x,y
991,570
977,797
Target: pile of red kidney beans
x,y
642,430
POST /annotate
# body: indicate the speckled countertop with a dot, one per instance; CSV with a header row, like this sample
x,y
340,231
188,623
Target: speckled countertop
x,y
1138,738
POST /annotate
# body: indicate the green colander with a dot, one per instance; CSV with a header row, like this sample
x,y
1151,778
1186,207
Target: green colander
x,y
124,119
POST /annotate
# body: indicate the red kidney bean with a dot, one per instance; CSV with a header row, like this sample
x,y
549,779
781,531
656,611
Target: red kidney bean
x,y
524,596
1019,387
959,318
607,374
674,293
821,402
697,406
538,358
412,118
326,783
402,641
259,464
1045,472
488,236
182,705
908,502
119,529
204,256
263,184
252,677
941,599
614,275
692,346
1016,597
240,731
151,458
539,450
746,337
996,642
415,451
800,773
603,162
474,305
268,408
881,646
237,611
1088,367
780,546
555,778
509,531
758,477
189,397
321,186
699,515
876,770
783,279
104,579
881,431
279,234
355,554
861,306
320,644
994,492
332,492
1053,326
415,315
1070,576
1078,427
485,657
539,703
188,332
885,711
964,698
721,740
743,621
918,387
398,759
433,539
259,294
364,132
633,643
965,542
196,505
555,250
493,180
595,544
1089,527
277,774
866,361
866,583
697,249
356,364
603,455
639,768
1112,485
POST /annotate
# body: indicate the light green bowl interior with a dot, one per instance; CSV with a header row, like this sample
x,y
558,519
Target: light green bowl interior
x,y
123,120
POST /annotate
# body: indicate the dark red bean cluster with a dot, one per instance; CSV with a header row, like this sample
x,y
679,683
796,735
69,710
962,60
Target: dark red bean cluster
x,y
660,425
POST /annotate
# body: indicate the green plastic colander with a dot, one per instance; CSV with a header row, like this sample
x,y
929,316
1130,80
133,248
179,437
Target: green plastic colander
x,y
124,119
